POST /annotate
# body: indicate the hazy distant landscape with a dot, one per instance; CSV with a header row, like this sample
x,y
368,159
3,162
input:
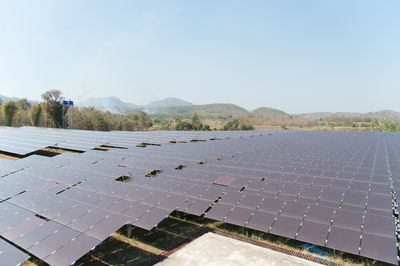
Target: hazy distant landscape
x,y
112,113
178,106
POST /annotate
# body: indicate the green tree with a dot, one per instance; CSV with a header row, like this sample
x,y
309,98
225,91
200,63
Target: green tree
x,y
53,106
183,125
231,125
98,121
34,114
9,109
144,121
246,127
196,123
23,104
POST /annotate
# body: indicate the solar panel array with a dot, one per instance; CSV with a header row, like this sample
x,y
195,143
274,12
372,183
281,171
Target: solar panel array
x,y
333,189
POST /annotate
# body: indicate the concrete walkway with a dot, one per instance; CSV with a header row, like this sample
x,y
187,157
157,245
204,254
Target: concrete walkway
x,y
213,249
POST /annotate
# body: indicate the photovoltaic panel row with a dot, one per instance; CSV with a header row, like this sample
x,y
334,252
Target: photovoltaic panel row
x,y
281,184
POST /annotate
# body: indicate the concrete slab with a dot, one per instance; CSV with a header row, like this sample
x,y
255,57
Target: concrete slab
x,y
213,249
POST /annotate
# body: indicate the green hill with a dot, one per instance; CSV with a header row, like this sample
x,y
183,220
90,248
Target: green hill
x,y
208,110
266,112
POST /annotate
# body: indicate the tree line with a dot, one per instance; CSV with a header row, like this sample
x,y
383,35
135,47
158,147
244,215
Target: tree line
x,y
48,113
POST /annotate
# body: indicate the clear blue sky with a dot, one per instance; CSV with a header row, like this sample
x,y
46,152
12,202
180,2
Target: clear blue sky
x,y
295,55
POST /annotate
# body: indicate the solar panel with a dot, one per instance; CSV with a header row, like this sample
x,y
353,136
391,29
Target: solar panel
x,y
379,248
347,219
13,220
107,226
86,221
10,255
173,201
379,225
239,216
355,198
331,204
290,189
272,205
344,239
136,210
251,201
294,209
310,193
25,226
379,202
105,201
198,207
232,198
152,218
313,232
37,234
286,226
72,214
53,242
60,207
224,180
72,250
261,221
219,212
331,195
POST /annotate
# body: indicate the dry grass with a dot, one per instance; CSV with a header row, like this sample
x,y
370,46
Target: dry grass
x,y
9,157
33,262
103,148
58,150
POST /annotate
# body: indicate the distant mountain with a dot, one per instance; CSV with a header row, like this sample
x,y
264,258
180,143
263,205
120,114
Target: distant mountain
x,y
168,102
5,98
316,115
267,112
383,115
386,112
111,104
116,105
323,115
219,110
209,110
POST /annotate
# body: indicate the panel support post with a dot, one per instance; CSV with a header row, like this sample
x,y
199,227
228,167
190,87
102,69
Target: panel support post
x,y
129,234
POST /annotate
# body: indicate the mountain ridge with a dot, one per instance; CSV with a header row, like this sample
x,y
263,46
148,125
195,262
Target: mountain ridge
x,y
268,112
172,105
114,104
5,98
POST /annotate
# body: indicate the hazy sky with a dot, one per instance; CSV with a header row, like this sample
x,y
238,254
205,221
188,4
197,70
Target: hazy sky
x,y
298,56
